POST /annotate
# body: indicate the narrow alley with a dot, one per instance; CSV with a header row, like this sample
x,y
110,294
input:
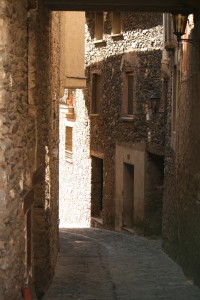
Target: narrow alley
x,y
96,264
99,127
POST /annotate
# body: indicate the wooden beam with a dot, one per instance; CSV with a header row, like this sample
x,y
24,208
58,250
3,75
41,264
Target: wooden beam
x,y
123,5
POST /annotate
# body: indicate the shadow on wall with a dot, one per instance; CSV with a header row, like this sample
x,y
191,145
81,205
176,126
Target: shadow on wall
x,y
139,22
108,90
110,94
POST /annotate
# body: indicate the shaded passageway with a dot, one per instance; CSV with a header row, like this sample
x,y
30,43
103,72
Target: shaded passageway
x,y
97,264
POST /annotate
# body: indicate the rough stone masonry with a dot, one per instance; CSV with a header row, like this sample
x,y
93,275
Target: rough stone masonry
x,y
28,140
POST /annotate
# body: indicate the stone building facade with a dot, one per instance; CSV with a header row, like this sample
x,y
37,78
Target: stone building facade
x,y
182,166
123,59
75,162
45,92
74,154
13,139
29,96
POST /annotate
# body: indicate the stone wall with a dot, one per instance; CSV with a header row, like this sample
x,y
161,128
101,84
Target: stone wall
x,y
25,113
15,179
137,50
53,205
181,198
44,65
74,172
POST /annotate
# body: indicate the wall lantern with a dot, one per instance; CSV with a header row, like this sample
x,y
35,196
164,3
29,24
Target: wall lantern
x,y
154,101
180,22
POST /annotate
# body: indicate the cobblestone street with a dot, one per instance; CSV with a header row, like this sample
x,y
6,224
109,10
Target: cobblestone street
x,y
96,264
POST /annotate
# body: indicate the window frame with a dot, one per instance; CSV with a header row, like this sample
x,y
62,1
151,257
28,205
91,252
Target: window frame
x,y
68,150
176,75
129,104
116,23
96,91
99,26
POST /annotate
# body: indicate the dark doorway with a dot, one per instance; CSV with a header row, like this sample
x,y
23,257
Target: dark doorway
x,y
128,200
154,194
97,187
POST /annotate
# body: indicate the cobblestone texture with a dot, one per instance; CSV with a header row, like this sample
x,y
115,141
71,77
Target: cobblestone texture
x,y
98,264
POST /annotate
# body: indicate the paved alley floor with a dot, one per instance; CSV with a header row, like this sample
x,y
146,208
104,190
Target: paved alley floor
x,y
95,264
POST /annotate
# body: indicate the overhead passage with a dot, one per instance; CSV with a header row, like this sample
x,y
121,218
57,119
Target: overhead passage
x,y
124,5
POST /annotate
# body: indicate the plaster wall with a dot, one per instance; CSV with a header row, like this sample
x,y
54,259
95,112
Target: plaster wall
x,y
75,173
72,43
133,155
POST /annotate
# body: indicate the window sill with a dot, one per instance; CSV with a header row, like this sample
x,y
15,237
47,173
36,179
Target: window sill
x,y
170,45
99,42
94,115
129,118
97,220
68,156
70,161
117,36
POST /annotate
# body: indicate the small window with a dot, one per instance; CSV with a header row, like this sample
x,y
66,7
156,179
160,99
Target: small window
x,y
174,98
68,142
176,80
116,23
128,100
130,82
96,93
99,26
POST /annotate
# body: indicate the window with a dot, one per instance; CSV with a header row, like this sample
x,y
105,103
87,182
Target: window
x,y
116,23
174,98
99,26
68,142
175,87
96,93
168,30
97,187
130,79
128,103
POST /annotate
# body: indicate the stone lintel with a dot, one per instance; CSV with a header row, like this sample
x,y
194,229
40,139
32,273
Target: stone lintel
x,y
155,149
97,154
